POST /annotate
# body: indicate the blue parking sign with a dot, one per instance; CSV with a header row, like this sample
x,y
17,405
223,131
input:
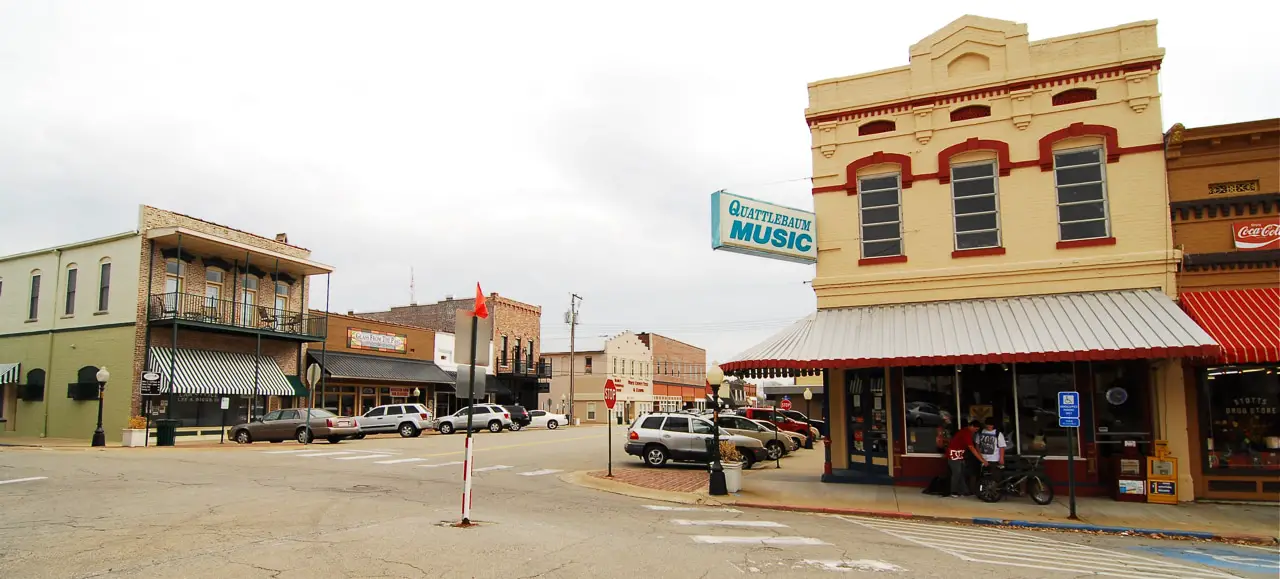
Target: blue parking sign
x,y
1069,405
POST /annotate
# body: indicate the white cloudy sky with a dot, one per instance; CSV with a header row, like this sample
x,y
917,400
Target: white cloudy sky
x,y
541,148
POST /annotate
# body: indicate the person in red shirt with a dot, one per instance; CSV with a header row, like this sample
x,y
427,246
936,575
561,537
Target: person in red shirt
x,y
960,444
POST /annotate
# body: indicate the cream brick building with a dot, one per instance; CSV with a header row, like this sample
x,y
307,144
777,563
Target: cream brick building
x,y
625,359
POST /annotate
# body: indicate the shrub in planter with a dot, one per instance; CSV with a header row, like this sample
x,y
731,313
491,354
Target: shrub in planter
x,y
729,452
136,433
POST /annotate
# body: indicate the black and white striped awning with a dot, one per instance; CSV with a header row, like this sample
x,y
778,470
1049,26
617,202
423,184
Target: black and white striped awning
x,y
9,373
210,372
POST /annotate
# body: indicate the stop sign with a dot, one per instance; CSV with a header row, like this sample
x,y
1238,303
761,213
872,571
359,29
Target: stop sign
x,y
786,404
610,394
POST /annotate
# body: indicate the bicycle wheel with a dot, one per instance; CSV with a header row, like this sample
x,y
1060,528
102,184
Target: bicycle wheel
x,y
1040,488
989,490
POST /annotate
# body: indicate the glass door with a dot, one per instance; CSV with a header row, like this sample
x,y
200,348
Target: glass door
x,y
867,408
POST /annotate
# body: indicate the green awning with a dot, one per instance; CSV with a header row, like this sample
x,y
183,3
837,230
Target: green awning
x,y
299,389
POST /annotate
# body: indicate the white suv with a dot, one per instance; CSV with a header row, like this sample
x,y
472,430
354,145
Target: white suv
x,y
485,416
407,419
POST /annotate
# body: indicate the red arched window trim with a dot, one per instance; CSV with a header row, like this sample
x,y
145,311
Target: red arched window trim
x,y
877,158
970,112
875,127
1079,130
973,144
1075,95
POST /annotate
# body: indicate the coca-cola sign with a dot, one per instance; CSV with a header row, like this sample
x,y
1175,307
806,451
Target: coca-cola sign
x,y
1256,235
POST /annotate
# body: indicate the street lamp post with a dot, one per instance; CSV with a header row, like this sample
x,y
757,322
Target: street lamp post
x,y
717,485
808,421
100,437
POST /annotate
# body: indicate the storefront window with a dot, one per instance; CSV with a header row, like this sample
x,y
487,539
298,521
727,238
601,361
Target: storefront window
x,y
930,395
1243,406
206,409
1038,386
1120,404
986,391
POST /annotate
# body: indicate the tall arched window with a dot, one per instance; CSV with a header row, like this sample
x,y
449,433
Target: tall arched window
x,y
73,275
104,283
33,306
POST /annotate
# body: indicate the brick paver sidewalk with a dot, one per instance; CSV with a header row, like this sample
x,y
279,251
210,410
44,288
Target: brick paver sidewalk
x,y
678,480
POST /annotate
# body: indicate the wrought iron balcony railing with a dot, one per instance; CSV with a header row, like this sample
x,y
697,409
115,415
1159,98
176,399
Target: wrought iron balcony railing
x,y
219,312
518,367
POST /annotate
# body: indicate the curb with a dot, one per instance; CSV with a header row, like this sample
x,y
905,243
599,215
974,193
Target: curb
x,y
993,522
584,479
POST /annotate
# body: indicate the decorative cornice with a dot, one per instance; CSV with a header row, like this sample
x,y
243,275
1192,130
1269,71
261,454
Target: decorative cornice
x,y
1231,260
1226,206
961,96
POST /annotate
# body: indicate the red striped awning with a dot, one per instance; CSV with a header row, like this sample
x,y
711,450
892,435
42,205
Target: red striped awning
x,y
1246,322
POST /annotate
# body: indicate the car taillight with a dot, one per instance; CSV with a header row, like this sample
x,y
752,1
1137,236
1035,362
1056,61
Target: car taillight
x,y
633,435
423,415
506,415
328,422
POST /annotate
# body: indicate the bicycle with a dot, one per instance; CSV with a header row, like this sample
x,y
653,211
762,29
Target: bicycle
x,y
997,482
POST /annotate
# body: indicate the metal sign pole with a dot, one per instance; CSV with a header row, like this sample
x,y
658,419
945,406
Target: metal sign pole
x,y
1071,472
778,417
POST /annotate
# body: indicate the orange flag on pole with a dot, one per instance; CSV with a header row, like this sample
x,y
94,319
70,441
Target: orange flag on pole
x,y
482,310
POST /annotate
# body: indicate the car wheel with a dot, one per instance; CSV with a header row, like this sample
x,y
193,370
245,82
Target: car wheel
x,y
552,425
243,437
655,456
334,439
515,427
775,449
748,459
496,426
446,428
408,430
303,435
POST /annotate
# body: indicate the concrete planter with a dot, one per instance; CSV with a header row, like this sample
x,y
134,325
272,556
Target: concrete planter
x,y
133,437
732,476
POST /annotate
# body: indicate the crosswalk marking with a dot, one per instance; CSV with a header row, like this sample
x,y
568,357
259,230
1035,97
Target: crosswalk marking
x,y
540,472
772,541
440,464
362,457
399,460
489,468
754,524
314,454
689,509
1021,549
287,451
18,480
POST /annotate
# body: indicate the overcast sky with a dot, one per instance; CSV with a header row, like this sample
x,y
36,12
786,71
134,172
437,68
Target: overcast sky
x,y
540,148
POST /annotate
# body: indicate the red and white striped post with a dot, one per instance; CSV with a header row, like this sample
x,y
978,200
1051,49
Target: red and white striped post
x,y
466,485
481,311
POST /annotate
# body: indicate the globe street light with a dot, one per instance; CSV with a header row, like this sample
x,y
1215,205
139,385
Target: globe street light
x,y
717,485
100,437
808,421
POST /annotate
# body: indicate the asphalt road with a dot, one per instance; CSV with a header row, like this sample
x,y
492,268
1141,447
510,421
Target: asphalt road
x,y
375,508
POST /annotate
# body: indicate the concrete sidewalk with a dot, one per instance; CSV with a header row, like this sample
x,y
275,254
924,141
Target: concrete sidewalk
x,y
796,487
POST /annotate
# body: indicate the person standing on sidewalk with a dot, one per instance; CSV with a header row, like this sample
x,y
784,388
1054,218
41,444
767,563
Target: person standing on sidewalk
x,y
962,444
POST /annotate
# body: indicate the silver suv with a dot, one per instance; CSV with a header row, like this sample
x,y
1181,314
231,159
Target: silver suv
x,y
485,416
407,419
655,438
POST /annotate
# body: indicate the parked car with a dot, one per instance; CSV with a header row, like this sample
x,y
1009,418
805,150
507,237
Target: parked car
x,y
486,416
549,420
926,414
291,423
659,437
798,416
782,421
519,417
777,445
795,438
407,419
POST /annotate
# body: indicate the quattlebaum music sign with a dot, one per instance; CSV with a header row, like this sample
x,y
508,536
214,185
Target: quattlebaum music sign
x,y
753,227
1256,235
361,339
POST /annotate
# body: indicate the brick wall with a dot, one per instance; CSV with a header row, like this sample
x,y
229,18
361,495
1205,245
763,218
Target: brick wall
x,y
679,369
511,318
420,343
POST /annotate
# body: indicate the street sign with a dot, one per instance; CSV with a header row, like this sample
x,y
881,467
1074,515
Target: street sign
x,y
1069,405
150,384
463,384
313,375
462,338
1069,422
225,404
610,394
786,403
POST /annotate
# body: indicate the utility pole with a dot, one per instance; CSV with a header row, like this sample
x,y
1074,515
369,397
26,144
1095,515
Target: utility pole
x,y
572,318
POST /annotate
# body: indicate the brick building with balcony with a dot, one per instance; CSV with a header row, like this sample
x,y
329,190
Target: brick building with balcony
x,y
679,370
215,311
517,342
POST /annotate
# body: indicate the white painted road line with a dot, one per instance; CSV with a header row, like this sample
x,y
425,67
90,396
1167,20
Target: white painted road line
x,y
689,509
440,465
400,460
755,524
287,451
1027,550
323,454
362,457
773,541
541,472
489,468
18,480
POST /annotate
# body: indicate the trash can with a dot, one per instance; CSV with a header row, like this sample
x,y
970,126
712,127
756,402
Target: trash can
x,y
166,431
